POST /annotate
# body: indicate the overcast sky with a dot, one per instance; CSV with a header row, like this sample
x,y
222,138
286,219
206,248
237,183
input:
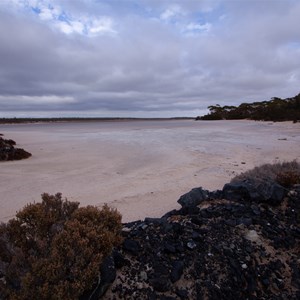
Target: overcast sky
x,y
145,58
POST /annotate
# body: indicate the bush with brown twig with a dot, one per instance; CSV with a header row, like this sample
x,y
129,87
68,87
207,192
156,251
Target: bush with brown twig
x,y
53,249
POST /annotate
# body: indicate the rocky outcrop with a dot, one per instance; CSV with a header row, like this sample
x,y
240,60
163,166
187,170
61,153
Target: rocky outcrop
x,y
193,198
237,243
9,152
266,191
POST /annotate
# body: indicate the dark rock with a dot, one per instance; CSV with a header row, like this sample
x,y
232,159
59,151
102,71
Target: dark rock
x,y
234,264
215,194
168,248
265,281
196,220
10,142
167,298
8,152
160,269
19,154
231,222
193,197
199,293
273,194
178,228
255,210
189,210
170,213
157,221
295,267
191,245
108,271
177,271
131,246
151,295
180,248
160,284
196,236
266,191
236,191
119,259
182,293
166,227
245,221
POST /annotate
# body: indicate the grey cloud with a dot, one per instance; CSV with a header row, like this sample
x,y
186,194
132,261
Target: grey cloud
x,y
253,53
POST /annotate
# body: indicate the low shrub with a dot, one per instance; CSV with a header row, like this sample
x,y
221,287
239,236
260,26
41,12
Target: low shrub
x,y
53,249
279,172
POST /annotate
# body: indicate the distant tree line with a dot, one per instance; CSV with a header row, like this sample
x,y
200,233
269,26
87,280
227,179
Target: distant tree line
x,y
62,119
87,119
276,109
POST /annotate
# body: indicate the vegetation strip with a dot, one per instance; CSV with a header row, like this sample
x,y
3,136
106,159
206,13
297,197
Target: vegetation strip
x,y
274,110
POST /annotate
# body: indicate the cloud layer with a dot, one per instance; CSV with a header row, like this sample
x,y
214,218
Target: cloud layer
x,y
144,57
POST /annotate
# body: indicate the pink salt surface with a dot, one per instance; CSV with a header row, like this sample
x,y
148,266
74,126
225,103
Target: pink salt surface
x,y
139,167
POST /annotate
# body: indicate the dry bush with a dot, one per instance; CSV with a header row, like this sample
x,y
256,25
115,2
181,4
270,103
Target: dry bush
x,y
53,249
279,172
288,178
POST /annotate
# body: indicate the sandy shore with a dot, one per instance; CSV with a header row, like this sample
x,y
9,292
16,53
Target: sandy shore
x,y
141,168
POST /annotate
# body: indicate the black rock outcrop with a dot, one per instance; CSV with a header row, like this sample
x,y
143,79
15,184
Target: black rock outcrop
x,y
232,244
9,152
193,198
267,191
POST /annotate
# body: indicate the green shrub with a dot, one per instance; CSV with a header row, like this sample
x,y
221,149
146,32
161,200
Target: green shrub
x,y
53,249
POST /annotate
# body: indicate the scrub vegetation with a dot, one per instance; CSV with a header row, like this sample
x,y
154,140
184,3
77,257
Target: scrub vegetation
x,y
285,173
53,249
276,109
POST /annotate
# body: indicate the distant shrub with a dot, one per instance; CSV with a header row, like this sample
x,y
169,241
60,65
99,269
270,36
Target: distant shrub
x,y
53,249
279,172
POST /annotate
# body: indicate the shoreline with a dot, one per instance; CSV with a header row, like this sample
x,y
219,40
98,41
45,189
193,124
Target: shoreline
x,y
6,121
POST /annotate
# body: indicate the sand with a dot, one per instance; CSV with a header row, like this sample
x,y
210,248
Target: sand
x,y
139,167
